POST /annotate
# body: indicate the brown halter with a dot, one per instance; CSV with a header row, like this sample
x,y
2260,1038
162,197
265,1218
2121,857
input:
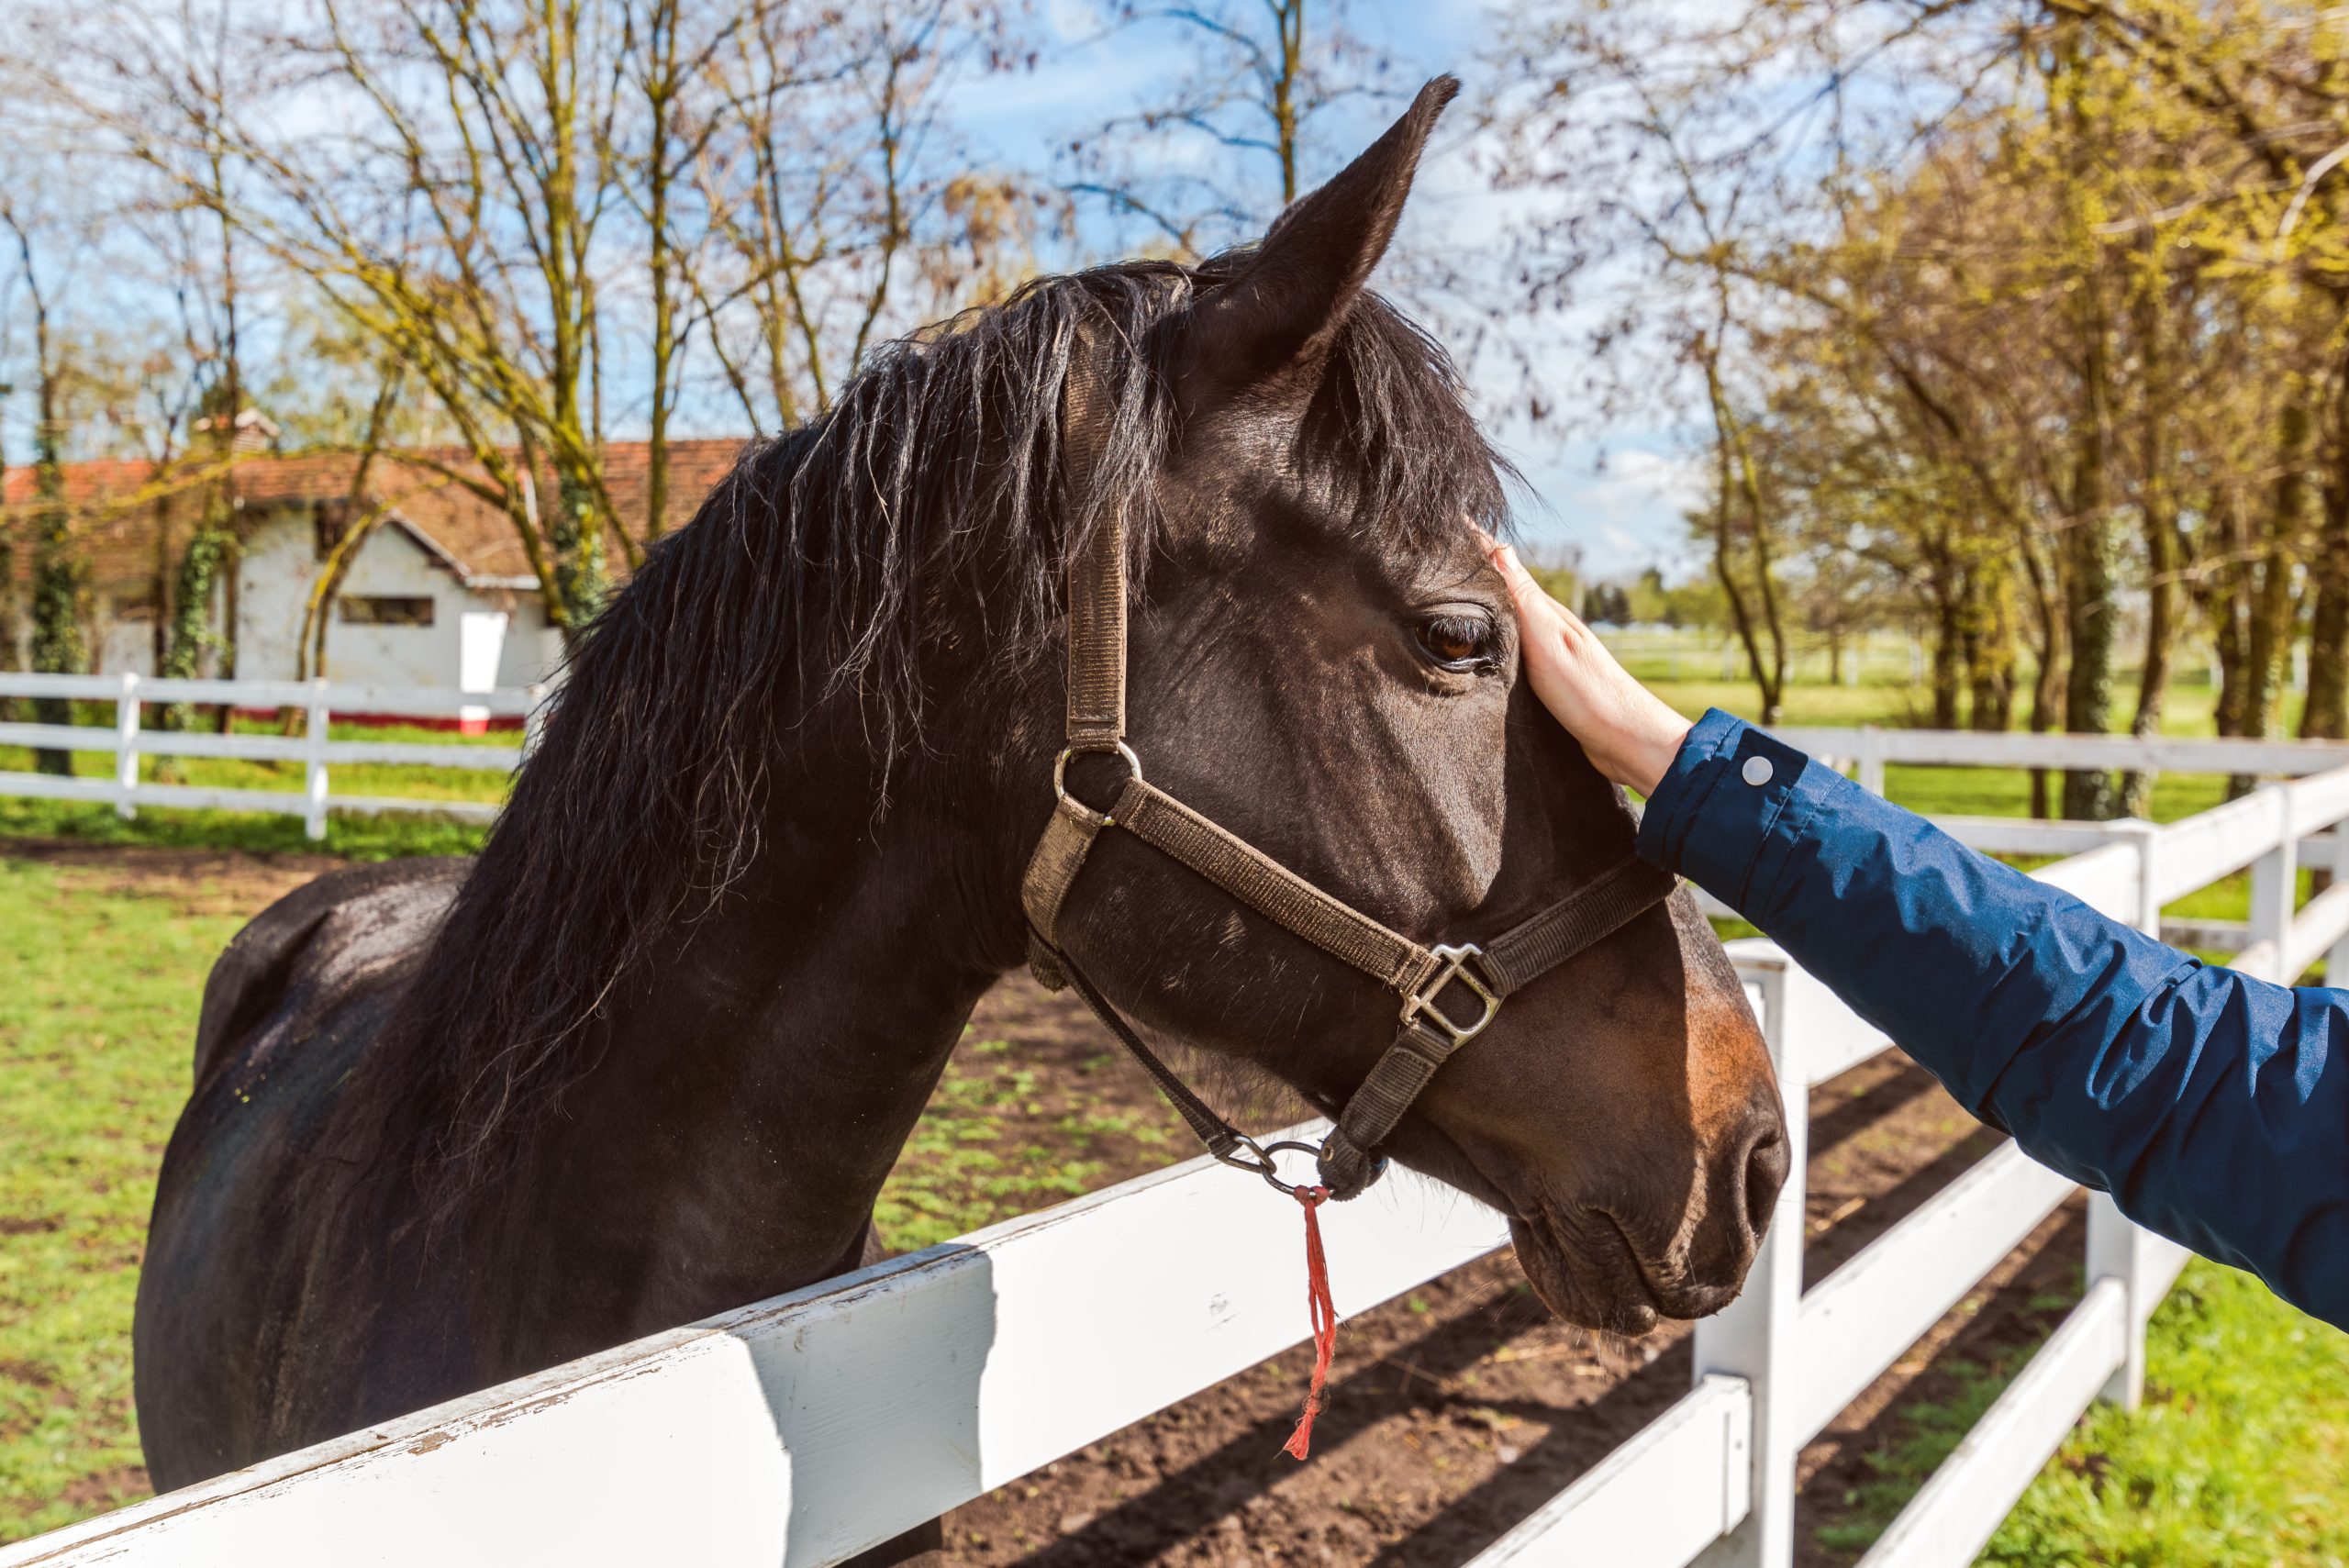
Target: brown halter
x,y
1427,1035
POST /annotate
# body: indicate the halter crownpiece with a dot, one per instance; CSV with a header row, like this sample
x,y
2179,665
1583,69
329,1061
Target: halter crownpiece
x,y
1449,993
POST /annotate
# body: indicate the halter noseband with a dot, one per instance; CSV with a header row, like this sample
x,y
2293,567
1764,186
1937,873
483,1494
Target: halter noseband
x,y
1477,979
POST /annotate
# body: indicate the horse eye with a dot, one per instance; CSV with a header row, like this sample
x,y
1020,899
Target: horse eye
x,y
1456,642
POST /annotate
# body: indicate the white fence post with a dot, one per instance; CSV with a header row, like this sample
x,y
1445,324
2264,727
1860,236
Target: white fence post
x,y
125,748
2336,960
314,818
1753,1338
2276,885
2118,1247
1871,759
534,722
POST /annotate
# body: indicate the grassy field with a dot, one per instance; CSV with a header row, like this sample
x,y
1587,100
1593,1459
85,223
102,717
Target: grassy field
x,y
96,1026
2240,1456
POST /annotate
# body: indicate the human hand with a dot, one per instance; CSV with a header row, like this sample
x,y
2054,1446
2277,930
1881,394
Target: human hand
x,y
1628,732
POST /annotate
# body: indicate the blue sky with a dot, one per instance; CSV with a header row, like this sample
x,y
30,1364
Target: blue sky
x,y
1618,494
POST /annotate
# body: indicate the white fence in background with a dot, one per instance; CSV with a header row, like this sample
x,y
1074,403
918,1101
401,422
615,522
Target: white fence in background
x,y
802,1430
1867,748
130,738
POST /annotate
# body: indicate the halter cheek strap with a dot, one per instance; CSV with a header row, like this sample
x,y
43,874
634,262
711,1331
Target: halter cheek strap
x,y
1449,994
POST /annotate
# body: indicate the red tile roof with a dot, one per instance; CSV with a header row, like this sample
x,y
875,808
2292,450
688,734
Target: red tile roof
x,y
122,506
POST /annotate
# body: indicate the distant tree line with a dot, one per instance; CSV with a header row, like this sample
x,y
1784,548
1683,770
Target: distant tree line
x,y
2021,314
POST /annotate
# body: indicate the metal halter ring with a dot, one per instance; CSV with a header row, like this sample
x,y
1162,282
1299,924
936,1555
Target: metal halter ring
x,y
1258,1158
1077,807
1451,964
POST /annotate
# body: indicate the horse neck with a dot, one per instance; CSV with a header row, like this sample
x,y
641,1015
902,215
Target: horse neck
x,y
751,1098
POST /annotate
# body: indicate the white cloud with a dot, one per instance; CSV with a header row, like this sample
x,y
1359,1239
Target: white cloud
x,y
1626,512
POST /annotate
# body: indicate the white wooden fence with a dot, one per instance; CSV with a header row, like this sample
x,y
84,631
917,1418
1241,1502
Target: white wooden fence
x,y
802,1429
128,739
1867,748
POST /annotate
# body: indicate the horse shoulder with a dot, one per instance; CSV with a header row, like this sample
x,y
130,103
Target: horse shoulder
x,y
326,933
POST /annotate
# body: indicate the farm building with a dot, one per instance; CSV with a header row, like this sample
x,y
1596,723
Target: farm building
x,y
439,591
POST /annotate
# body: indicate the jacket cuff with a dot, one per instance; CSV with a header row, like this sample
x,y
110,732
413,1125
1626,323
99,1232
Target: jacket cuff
x,y
1713,816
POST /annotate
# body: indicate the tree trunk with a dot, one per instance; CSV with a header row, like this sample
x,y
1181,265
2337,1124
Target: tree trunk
x,y
2273,614
2092,617
60,575
2164,554
195,590
1737,480
1992,666
60,584
2326,717
2226,601
2047,683
580,572
1948,654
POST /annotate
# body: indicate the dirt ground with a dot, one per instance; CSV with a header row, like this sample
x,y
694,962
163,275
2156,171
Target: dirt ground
x,y
1461,1408
198,882
1456,1411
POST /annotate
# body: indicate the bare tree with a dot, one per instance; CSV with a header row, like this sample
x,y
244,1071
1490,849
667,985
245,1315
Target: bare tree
x,y
830,203
1211,161
542,215
60,573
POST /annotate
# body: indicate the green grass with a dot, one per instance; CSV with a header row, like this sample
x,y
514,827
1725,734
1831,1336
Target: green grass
x,y
2238,1459
349,835
998,1141
96,1023
2187,709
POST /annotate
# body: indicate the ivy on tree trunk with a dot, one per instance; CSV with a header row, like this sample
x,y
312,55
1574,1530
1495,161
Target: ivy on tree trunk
x,y
61,600
193,636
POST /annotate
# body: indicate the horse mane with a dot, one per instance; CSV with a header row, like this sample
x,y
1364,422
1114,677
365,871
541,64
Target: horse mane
x,y
800,582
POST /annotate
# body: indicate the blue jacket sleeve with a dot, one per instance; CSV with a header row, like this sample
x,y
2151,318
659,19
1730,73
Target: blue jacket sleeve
x,y
2214,1107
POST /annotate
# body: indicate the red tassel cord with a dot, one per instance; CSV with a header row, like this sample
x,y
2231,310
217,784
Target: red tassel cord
x,y
1321,1313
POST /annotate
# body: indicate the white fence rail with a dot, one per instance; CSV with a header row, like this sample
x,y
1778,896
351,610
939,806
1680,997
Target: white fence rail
x,y
802,1430
128,740
1868,748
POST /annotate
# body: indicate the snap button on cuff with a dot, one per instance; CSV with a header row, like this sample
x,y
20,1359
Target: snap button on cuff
x,y
1757,771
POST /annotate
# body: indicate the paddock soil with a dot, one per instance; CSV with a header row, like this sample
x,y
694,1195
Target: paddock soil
x,y
1455,1411
1460,1408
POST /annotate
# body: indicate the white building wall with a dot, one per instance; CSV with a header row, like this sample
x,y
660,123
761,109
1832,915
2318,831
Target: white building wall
x,y
274,571
279,565
532,650
123,643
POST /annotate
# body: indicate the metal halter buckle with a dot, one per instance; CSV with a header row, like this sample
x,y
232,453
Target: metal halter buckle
x,y
1257,1158
1451,964
1077,807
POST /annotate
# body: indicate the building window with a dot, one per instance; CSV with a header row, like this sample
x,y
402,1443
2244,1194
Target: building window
x,y
357,611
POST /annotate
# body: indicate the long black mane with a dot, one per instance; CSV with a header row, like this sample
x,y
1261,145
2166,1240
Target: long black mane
x,y
800,582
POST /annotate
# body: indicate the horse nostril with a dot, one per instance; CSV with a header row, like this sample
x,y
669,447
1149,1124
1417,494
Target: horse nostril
x,y
1766,1172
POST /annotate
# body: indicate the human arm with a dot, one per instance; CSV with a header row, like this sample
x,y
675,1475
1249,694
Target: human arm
x,y
2213,1106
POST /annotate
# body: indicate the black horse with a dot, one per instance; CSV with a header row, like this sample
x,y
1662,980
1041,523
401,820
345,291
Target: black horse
x,y
652,1054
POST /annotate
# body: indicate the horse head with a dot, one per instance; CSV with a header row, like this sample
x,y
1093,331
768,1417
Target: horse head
x,y
1323,660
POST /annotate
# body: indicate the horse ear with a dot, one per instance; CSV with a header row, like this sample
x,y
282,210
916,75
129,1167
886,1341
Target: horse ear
x,y
1314,260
